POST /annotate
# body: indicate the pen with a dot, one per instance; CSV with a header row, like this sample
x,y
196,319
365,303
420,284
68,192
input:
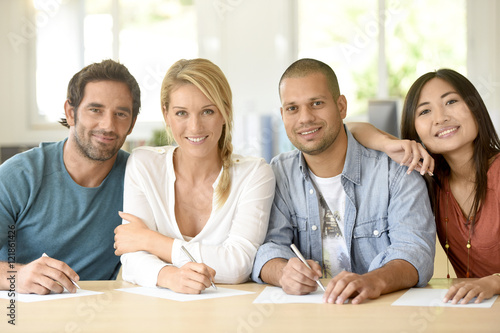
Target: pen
x,y
45,255
301,257
192,259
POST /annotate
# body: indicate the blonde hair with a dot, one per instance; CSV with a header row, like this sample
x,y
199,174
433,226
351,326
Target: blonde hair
x,y
212,82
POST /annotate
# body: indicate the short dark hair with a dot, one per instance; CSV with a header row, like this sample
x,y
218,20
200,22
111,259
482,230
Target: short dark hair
x,y
306,66
107,70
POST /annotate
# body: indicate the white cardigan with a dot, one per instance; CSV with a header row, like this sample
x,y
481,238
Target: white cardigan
x,y
233,233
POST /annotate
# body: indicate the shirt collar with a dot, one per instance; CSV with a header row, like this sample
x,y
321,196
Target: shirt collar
x,y
304,169
352,165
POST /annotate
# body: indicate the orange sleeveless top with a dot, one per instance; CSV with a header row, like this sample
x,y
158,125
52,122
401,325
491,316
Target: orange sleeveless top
x,y
484,254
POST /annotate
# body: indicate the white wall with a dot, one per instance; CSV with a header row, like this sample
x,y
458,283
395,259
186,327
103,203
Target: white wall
x,y
17,81
483,52
253,41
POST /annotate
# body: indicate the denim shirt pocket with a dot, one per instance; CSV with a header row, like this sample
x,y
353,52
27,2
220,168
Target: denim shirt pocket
x,y
300,236
369,239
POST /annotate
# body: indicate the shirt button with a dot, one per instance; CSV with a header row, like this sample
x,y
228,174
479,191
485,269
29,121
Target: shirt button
x,y
311,191
375,232
314,228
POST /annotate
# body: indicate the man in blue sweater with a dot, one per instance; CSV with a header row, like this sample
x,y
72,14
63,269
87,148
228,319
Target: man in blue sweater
x,y
62,199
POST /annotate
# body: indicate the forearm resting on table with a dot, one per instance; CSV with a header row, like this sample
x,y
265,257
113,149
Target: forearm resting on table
x,y
496,276
481,289
368,135
272,271
491,283
395,275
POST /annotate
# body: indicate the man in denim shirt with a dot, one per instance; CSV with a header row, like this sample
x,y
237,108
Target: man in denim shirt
x,y
355,214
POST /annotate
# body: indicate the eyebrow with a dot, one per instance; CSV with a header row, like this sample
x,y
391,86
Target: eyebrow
x,y
99,105
442,96
203,107
94,105
124,109
312,99
318,97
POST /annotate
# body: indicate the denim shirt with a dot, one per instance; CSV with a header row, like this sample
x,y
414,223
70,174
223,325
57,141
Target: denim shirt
x,y
387,214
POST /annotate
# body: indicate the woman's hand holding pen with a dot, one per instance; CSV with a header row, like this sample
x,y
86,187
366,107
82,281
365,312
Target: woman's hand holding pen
x,y
135,236
192,278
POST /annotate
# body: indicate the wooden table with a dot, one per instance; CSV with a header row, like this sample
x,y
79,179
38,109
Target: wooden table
x,y
117,311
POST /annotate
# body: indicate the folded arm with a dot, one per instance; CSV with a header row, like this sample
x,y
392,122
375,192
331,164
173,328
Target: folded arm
x,y
404,152
246,221
243,226
134,235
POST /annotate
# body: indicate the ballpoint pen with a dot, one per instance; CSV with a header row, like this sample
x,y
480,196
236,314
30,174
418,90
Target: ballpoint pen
x,y
193,260
76,285
301,257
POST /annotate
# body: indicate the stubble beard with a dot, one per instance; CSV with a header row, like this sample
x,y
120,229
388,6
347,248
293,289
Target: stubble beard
x,y
318,148
95,152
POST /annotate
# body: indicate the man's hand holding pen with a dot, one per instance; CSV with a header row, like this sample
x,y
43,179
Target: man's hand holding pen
x,y
46,275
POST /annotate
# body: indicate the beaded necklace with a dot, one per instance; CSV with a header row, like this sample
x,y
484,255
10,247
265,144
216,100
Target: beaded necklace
x,y
469,224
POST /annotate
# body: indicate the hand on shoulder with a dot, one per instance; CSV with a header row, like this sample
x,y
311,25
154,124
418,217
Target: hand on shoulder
x,y
410,153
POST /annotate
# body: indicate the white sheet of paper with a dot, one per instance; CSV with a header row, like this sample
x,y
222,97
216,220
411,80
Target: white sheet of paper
x,y
49,297
172,295
276,295
434,297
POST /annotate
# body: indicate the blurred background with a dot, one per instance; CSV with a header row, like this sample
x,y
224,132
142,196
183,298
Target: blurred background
x,y
377,48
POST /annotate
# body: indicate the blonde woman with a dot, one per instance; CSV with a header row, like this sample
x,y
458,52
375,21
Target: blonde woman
x,y
197,194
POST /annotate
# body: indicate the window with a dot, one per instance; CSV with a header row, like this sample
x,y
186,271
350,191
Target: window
x,y
147,36
418,37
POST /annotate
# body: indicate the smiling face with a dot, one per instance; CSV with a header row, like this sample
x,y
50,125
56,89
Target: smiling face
x,y
312,118
196,123
102,121
443,120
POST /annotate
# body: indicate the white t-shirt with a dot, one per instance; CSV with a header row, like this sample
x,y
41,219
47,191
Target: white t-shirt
x,y
233,233
332,209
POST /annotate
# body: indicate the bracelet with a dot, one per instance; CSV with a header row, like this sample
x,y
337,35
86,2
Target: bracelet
x,y
497,274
